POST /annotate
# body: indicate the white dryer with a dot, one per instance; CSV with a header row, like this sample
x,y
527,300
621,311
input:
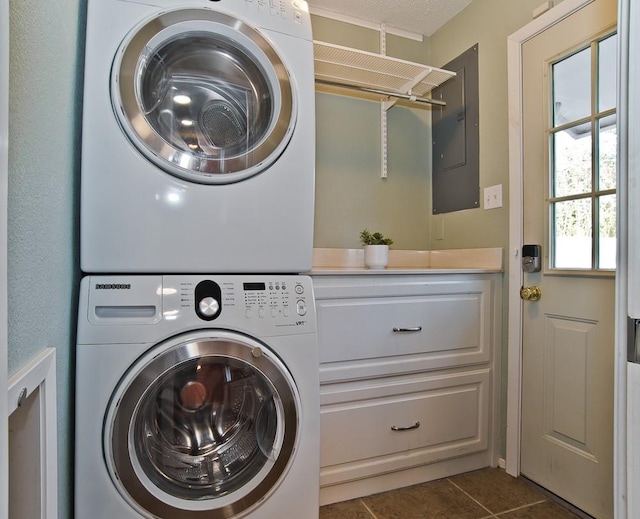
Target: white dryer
x,y
197,397
198,145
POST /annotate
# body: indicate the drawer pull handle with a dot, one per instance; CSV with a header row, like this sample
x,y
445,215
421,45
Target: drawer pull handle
x,y
407,428
404,330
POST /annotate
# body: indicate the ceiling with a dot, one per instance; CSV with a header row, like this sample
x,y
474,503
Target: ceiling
x,y
415,16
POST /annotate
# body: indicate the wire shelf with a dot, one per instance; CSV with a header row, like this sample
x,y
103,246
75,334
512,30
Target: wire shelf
x,y
355,68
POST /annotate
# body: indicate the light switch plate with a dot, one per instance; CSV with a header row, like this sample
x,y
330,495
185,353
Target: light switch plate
x,y
493,197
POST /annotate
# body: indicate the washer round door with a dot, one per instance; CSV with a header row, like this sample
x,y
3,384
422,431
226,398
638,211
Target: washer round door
x,y
203,95
202,426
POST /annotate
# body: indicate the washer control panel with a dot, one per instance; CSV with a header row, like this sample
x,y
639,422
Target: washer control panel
x,y
263,301
269,304
155,306
275,299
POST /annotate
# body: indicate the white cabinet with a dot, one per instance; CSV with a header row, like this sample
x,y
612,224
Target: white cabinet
x,y
408,378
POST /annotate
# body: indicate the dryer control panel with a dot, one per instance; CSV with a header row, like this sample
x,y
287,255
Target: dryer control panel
x,y
290,16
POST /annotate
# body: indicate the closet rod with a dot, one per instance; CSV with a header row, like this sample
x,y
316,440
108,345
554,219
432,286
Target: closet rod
x,y
407,97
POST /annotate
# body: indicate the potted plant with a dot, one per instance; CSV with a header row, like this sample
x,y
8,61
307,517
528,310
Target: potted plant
x,y
376,249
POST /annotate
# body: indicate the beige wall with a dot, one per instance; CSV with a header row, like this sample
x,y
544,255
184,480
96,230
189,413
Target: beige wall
x,y
350,195
488,23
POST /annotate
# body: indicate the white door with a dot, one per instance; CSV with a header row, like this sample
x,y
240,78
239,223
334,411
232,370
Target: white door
x,y
569,120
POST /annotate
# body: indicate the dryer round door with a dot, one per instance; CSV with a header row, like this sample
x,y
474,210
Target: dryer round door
x,y
204,425
203,95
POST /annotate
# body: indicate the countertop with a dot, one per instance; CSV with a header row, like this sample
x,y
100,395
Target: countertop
x,y
331,262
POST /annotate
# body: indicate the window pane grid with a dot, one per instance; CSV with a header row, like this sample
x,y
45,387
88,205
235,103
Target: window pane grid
x,y
607,236
582,143
595,194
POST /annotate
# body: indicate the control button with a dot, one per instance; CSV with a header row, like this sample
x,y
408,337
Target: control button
x,y
285,311
208,306
299,289
207,299
274,312
248,313
261,312
301,307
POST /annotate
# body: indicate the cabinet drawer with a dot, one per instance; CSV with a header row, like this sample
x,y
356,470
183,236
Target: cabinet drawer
x,y
450,327
358,436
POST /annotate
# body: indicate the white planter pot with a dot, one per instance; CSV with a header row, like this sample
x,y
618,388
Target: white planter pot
x,y
376,256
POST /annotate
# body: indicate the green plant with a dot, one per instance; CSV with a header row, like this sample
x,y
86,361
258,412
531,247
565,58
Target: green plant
x,y
367,238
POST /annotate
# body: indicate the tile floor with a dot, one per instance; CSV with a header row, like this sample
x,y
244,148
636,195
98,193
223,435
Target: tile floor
x,y
482,494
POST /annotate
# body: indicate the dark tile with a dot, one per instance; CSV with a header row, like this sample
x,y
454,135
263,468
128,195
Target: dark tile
x,y
345,510
546,510
496,490
434,500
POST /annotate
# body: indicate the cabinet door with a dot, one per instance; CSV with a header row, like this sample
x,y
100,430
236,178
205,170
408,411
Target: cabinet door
x,y
448,325
395,423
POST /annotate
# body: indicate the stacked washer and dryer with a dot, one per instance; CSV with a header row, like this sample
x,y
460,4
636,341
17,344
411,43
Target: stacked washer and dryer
x,y
197,390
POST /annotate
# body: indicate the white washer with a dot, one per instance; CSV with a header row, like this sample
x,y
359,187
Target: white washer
x,y
198,145
197,397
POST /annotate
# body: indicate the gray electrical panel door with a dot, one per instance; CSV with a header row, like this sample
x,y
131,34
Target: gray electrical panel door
x,y
455,173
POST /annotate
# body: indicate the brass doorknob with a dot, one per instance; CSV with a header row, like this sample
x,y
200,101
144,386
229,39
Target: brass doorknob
x,y
532,293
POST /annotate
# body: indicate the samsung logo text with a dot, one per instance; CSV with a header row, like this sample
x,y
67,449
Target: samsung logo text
x,y
113,286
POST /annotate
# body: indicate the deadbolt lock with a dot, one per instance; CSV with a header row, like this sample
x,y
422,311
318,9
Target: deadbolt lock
x,y
532,293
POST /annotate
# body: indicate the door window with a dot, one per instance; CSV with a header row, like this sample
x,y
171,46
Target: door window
x,y
583,141
210,424
203,96
206,427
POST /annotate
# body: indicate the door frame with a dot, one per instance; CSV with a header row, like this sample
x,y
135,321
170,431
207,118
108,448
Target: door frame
x,y
515,44
626,471
4,166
